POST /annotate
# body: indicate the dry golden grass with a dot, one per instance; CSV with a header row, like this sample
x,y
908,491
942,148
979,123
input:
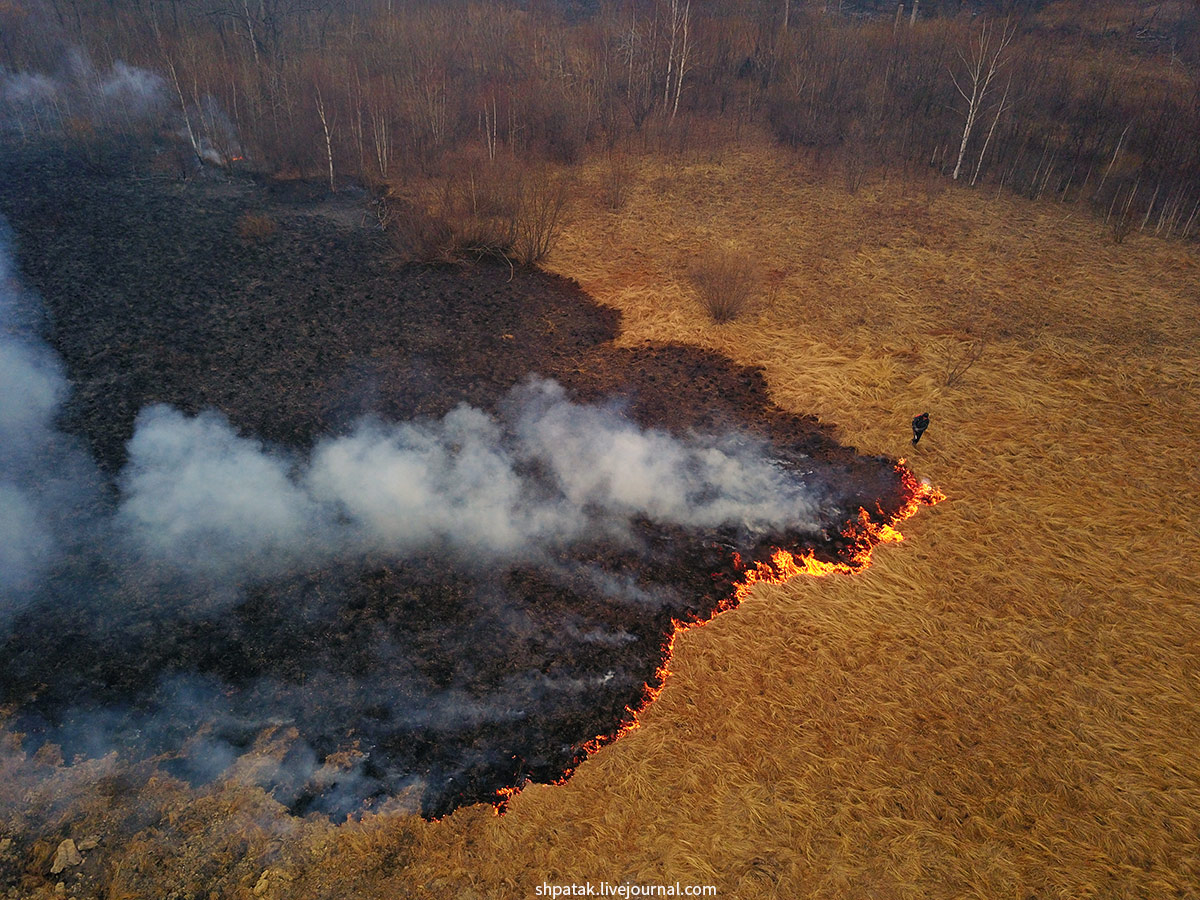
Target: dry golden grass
x,y
1005,706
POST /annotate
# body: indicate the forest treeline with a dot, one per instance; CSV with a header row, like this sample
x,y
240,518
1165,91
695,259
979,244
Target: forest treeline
x,y
1096,102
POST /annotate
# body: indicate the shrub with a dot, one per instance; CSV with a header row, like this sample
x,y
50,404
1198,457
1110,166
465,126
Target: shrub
x,y
539,212
727,280
492,209
616,180
959,356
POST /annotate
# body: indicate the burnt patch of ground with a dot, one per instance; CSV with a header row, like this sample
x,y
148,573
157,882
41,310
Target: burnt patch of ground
x,y
373,676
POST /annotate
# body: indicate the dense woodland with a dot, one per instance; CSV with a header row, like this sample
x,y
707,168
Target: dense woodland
x,y
1096,102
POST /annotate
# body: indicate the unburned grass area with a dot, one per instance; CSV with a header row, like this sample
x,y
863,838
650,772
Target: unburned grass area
x,y
1004,705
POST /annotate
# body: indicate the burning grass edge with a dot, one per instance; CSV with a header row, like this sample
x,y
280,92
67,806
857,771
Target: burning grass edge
x,y
862,534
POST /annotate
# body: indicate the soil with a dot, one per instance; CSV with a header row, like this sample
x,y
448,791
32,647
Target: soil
x,y
375,676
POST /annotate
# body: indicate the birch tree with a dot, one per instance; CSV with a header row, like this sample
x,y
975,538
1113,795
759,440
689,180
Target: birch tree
x,y
985,60
679,19
325,127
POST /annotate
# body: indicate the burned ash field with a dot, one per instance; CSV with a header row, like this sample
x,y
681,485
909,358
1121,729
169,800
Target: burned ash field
x,y
410,531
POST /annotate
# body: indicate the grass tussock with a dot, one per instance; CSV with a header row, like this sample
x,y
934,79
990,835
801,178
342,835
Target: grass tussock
x,y
255,228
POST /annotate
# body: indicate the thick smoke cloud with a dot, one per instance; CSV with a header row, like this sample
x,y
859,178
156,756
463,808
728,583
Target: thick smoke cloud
x,y
603,461
198,497
454,483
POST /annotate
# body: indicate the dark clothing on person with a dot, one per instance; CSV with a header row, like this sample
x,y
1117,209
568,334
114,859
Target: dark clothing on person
x,y
920,423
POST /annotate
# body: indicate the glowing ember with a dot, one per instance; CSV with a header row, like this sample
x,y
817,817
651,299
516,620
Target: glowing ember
x,y
862,535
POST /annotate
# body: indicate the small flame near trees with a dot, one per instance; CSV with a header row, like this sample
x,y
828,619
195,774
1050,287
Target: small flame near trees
x,y
862,536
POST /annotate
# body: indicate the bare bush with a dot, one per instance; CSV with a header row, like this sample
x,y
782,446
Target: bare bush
x,y
616,181
1120,218
539,212
413,226
959,356
496,209
727,280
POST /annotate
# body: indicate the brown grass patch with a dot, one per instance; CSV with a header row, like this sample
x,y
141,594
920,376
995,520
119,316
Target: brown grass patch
x,y
1001,707
256,227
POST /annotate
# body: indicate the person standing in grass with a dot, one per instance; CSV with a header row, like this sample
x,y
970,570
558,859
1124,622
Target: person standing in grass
x,y
919,423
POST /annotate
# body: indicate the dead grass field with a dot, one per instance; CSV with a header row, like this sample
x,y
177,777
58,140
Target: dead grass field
x,y
1006,706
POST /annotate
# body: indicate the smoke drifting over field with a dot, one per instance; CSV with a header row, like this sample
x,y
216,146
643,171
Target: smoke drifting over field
x,y
47,482
201,499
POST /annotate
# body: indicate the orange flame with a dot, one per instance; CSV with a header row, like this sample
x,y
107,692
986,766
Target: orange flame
x,y
864,535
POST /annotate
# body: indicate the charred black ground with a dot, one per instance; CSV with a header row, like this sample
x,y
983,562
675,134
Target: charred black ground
x,y
375,675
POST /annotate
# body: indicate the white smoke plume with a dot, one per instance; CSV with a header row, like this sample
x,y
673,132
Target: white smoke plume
x,y
47,482
200,498
603,461
122,97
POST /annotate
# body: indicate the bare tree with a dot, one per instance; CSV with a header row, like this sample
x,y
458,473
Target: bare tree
x,y
328,138
681,65
637,46
1113,161
987,140
679,19
985,60
381,138
489,122
187,119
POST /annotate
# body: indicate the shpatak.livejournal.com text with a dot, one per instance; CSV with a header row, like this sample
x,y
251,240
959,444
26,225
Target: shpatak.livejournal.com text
x,y
623,891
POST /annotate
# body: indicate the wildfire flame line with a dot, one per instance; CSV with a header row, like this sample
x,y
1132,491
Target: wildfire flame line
x,y
863,534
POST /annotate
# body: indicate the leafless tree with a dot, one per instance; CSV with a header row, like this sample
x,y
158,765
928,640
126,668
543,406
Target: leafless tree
x,y
679,20
1000,108
985,59
328,138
